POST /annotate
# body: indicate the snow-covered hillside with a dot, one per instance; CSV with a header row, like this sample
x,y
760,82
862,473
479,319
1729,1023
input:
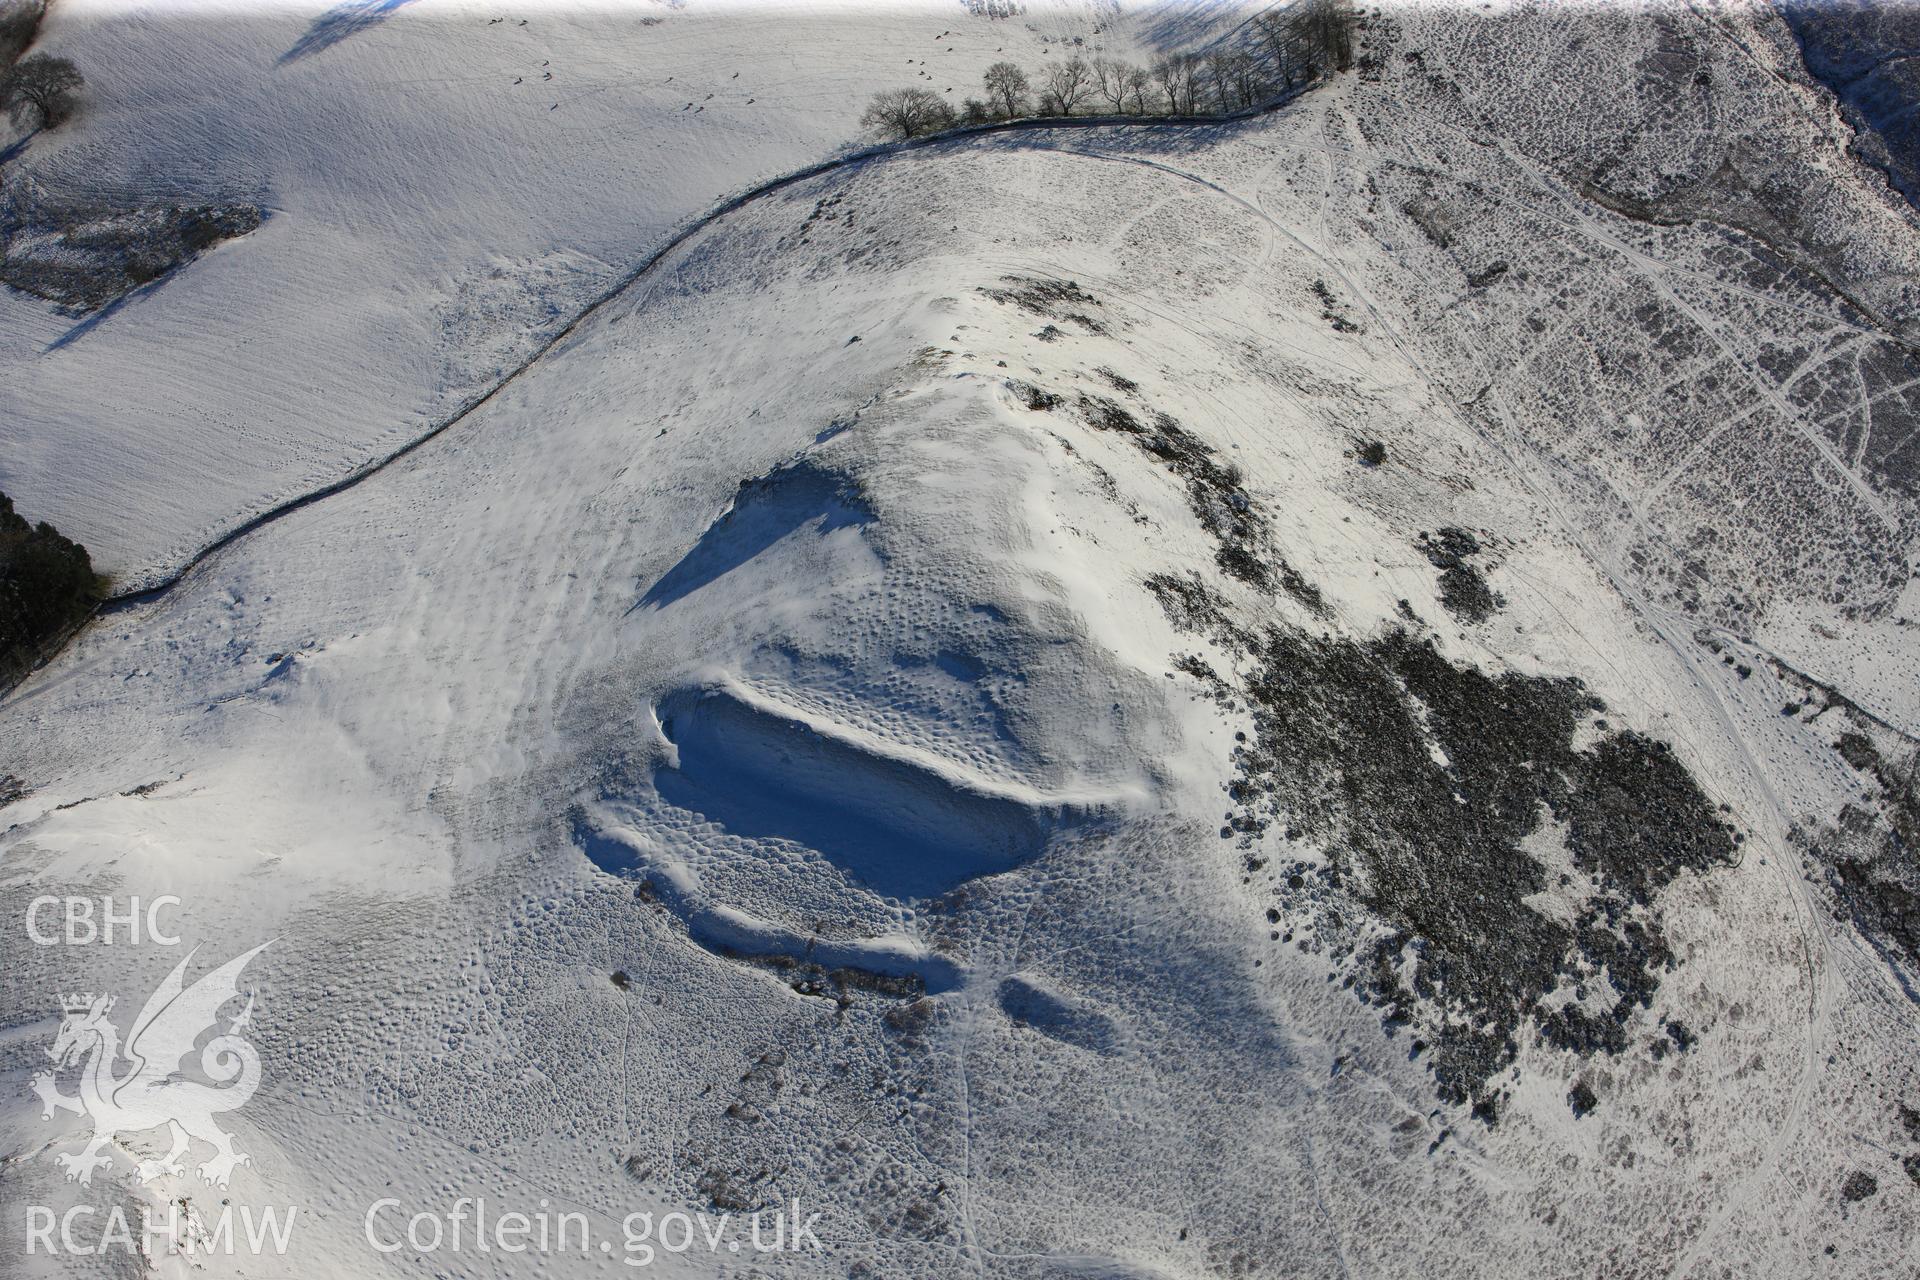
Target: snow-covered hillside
x,y
446,185
1323,697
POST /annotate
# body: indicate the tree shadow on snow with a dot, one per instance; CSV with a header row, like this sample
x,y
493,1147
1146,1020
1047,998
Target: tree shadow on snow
x,y
341,22
1171,25
765,511
1140,139
86,325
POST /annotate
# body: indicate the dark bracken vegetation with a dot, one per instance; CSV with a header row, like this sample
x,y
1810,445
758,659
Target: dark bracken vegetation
x,y
1441,828
1463,590
1862,52
1450,804
84,257
47,588
1872,853
1216,490
1871,847
1492,849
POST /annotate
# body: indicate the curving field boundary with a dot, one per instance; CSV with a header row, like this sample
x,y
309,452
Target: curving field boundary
x,y
847,160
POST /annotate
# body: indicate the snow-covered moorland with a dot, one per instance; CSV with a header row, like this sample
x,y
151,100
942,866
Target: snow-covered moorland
x,y
443,190
1330,695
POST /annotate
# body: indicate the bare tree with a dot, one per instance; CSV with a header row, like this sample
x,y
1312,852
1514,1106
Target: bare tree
x,y
1007,87
1251,82
1217,76
1139,83
1328,26
1234,80
1306,40
1110,82
1177,79
1281,39
40,89
1068,83
906,113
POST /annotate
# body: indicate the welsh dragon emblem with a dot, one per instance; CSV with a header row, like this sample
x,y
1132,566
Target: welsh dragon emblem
x,y
155,1089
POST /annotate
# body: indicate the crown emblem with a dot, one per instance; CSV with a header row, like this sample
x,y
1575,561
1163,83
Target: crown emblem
x,y
82,1002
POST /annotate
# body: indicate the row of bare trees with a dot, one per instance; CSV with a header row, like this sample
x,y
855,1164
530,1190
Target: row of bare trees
x,y
1281,51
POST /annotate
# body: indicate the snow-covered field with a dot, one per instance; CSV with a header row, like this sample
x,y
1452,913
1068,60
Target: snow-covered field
x,y
446,183
919,706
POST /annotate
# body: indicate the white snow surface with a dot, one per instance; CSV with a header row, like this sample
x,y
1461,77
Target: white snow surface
x,y
770,588
437,207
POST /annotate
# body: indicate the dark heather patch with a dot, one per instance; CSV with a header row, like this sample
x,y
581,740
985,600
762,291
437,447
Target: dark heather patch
x,y
1299,588
1217,495
1872,847
1910,1123
1481,279
1883,900
1189,602
1581,1098
1031,396
1859,1185
84,259
1201,670
1343,753
1331,311
1463,590
1126,386
1052,299
1857,750
1104,414
1421,778
841,985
